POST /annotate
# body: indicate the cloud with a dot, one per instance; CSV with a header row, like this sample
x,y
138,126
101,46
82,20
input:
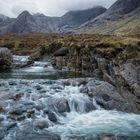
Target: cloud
x,y
13,8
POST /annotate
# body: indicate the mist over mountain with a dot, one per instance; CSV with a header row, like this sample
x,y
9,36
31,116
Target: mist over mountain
x,y
26,23
123,17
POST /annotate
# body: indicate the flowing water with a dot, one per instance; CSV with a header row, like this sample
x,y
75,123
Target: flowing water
x,y
74,115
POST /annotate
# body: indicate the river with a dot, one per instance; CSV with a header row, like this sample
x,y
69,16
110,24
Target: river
x,y
41,103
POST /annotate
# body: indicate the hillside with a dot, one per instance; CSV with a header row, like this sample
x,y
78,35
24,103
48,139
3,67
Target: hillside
x,y
123,17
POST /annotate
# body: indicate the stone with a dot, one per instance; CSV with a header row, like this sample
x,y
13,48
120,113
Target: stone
x,y
11,125
62,106
51,115
1,118
12,83
107,96
61,52
89,106
38,87
41,124
5,58
17,96
30,113
17,111
2,109
130,73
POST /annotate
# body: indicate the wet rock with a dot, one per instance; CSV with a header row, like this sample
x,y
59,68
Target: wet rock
x,y
1,118
2,109
11,125
6,95
82,82
41,124
30,113
113,137
109,97
89,106
5,58
61,52
28,133
38,87
2,133
63,106
12,83
51,115
67,83
57,87
17,96
21,118
84,89
17,111
27,105
130,74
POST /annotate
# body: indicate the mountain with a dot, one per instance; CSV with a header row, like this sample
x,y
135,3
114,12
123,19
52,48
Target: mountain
x,y
3,17
73,19
123,17
26,23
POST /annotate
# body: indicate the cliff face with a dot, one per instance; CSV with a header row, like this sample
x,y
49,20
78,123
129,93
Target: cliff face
x,y
120,70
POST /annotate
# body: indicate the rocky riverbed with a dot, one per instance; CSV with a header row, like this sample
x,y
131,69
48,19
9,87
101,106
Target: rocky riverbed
x,y
40,102
60,109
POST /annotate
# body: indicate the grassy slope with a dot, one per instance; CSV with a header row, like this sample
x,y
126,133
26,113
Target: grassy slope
x,y
128,24
36,44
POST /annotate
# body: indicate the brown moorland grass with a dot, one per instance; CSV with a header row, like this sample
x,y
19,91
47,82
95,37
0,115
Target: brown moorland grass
x,y
35,44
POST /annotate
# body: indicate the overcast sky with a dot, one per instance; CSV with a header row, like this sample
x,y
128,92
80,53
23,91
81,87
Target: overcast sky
x,y
13,8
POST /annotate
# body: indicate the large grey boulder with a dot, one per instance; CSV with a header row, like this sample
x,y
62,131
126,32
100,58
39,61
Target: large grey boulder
x,y
109,97
61,52
130,73
5,58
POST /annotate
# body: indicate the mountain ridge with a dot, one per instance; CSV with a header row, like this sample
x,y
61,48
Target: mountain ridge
x,y
26,23
115,19
123,17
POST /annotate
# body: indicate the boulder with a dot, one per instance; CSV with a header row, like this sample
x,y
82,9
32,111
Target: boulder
x,y
63,106
61,52
51,115
5,58
41,124
108,97
130,72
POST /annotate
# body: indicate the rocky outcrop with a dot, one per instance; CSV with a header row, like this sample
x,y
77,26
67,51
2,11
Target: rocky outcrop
x,y
61,52
121,89
5,58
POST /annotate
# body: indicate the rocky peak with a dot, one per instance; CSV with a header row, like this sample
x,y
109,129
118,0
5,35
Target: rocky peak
x,y
124,6
24,13
81,16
